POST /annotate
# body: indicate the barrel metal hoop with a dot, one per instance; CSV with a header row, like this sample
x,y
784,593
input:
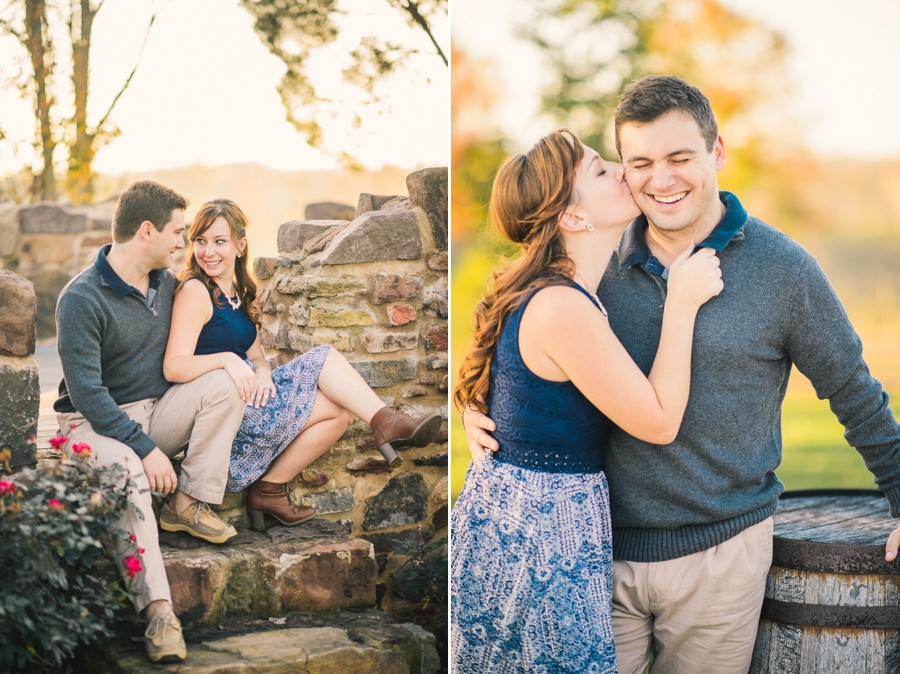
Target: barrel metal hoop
x,y
830,558
820,615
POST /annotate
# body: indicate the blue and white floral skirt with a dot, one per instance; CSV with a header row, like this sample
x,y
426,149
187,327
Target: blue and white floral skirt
x,y
266,431
531,573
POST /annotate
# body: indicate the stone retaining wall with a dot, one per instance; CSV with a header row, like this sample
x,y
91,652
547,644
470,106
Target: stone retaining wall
x,y
20,391
374,288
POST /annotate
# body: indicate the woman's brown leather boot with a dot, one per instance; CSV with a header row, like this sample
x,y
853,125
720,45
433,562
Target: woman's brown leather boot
x,y
394,429
272,498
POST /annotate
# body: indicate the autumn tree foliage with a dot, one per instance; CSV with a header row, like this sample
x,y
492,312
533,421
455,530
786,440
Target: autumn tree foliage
x,y
295,31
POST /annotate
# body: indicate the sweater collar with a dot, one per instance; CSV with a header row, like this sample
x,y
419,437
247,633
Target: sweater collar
x,y
633,248
114,281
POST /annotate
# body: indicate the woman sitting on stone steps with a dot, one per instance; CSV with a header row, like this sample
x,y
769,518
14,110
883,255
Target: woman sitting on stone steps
x,y
295,412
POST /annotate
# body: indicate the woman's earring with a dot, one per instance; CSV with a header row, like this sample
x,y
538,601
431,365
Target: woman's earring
x,y
240,254
589,227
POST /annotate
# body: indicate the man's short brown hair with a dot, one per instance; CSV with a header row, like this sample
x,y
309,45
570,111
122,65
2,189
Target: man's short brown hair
x,y
649,98
144,200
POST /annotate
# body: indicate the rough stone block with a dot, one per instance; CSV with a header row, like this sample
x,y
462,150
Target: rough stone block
x,y
383,373
100,215
437,262
315,528
45,249
20,401
303,339
9,227
298,314
321,574
415,592
433,460
326,286
384,542
387,342
440,494
369,465
435,362
372,202
435,304
195,580
430,661
315,650
326,316
325,502
376,236
393,287
413,392
47,217
320,243
426,378
292,235
264,267
428,190
436,338
402,501
444,383
400,314
18,320
439,519
47,286
311,477
329,210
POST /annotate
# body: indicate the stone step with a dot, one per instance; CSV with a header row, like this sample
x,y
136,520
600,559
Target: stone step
x,y
312,567
361,642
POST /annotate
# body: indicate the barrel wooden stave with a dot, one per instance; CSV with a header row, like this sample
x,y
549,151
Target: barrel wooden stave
x,y
839,519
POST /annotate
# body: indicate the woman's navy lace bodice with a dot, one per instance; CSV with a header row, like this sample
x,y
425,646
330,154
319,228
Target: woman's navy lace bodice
x,y
541,424
227,330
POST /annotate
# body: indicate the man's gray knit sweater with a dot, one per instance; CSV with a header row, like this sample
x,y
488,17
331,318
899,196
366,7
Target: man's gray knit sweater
x,y
111,344
717,478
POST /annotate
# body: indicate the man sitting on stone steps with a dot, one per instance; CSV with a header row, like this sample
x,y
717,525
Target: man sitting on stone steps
x,y
113,325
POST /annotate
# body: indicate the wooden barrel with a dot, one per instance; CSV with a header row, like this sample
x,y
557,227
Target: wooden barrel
x,y
832,603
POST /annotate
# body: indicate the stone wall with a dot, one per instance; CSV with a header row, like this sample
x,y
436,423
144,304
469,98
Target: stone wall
x,y
20,391
374,288
48,243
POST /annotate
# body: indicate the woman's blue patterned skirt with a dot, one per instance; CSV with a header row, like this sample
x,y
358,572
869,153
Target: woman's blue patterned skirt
x,y
531,573
266,431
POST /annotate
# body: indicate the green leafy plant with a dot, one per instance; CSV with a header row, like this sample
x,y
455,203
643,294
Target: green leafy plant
x,y
54,522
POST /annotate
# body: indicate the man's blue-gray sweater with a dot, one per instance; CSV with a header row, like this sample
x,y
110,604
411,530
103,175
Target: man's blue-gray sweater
x,y
717,478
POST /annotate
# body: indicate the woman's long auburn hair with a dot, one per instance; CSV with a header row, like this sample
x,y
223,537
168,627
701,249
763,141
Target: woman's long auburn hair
x,y
529,194
237,223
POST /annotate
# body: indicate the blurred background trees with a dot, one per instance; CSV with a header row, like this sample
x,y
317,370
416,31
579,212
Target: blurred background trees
x,y
845,211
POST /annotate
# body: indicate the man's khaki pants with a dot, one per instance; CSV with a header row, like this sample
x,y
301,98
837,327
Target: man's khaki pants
x,y
201,416
696,614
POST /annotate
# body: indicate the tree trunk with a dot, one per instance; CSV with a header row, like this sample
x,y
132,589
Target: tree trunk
x,y
40,49
80,176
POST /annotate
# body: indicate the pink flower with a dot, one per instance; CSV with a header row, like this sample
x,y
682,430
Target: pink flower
x,y
140,551
82,448
132,566
7,487
56,504
133,538
58,441
96,500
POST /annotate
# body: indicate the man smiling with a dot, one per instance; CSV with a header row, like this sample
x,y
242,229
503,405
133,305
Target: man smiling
x,y
113,325
692,525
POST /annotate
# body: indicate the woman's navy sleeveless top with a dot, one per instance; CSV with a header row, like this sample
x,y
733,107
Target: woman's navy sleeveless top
x,y
541,424
227,330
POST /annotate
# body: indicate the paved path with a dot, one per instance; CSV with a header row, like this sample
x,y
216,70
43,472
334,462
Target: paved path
x,y
50,373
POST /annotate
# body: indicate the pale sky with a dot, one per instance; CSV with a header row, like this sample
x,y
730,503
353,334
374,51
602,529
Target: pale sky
x,y
844,62
205,91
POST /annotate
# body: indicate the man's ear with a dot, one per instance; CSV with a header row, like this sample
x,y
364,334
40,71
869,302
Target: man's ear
x,y
144,230
719,153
